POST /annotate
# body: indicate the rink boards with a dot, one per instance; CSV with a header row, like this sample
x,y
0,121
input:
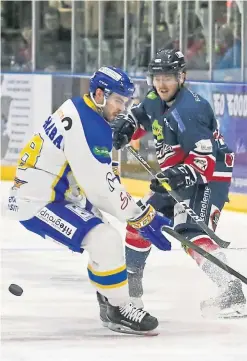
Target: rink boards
x,y
139,188
238,202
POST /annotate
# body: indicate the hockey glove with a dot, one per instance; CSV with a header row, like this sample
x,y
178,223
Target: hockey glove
x,y
179,176
123,128
149,225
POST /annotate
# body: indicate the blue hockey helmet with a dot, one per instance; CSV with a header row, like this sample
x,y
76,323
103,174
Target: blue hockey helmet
x,y
112,80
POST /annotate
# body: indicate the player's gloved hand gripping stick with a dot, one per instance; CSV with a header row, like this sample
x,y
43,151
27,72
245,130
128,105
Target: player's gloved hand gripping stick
x,y
178,199
194,216
149,224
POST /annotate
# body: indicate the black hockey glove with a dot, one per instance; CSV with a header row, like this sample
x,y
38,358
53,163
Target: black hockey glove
x,y
123,128
179,176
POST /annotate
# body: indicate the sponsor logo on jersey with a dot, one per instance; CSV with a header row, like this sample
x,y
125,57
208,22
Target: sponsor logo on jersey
x,y
204,203
157,130
12,206
204,146
18,183
125,197
152,95
201,163
101,151
56,222
81,212
110,178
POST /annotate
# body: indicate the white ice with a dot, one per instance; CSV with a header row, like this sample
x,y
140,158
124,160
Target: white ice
x,y
56,318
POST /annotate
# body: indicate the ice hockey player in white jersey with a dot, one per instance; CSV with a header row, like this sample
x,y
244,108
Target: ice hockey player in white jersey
x,y
73,149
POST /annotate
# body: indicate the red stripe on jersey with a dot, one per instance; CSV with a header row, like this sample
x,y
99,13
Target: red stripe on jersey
x,y
134,239
139,133
175,156
203,164
220,179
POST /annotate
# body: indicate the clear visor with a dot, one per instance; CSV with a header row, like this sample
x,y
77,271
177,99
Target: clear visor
x,y
123,102
163,78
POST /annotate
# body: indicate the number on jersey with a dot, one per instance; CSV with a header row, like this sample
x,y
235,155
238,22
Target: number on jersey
x,y
31,152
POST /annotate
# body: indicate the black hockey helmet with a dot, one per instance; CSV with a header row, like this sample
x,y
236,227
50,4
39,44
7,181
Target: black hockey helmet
x,y
166,61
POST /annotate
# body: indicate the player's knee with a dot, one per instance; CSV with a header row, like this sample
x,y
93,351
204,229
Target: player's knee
x,y
204,242
105,247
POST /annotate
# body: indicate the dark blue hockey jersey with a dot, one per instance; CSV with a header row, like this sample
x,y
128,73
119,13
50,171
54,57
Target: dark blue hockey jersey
x,y
187,132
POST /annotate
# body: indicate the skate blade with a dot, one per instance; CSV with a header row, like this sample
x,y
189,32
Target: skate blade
x,y
232,313
104,323
123,329
232,317
214,312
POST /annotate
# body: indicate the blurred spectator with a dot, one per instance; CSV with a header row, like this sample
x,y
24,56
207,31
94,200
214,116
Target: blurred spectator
x,y
144,53
229,49
21,60
16,48
6,49
55,43
195,43
196,54
65,4
162,41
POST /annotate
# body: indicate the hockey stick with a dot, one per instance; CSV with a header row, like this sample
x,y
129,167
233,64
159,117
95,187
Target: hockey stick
x,y
178,199
204,254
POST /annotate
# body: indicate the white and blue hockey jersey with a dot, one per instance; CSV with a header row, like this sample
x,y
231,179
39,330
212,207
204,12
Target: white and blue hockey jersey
x,y
72,147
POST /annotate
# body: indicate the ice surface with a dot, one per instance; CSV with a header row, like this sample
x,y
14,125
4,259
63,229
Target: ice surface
x,y
56,318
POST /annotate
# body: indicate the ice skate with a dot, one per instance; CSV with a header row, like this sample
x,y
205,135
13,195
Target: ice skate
x,y
103,301
131,320
230,304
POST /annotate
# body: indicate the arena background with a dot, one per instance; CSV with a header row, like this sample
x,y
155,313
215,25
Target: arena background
x,y
50,49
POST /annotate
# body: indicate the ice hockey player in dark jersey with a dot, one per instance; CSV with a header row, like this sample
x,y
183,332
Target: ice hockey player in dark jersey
x,y
197,163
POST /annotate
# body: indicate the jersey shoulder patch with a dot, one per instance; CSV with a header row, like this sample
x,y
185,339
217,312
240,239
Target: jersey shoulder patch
x,y
97,131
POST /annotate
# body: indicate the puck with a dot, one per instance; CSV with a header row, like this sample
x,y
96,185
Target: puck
x,y
15,290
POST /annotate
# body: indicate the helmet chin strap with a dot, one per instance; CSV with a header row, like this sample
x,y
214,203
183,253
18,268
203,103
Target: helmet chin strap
x,y
101,106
